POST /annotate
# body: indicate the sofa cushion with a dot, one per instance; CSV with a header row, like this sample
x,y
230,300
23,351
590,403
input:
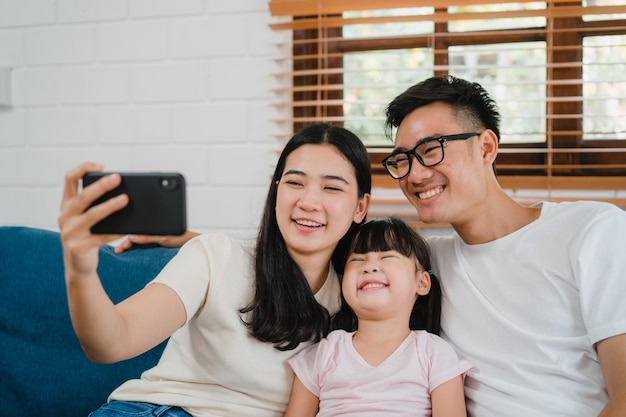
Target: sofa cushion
x,y
43,369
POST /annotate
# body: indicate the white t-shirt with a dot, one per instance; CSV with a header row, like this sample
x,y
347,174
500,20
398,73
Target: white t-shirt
x,y
527,309
400,386
212,366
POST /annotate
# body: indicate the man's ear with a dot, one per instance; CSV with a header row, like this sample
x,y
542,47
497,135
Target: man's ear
x,y
423,282
489,146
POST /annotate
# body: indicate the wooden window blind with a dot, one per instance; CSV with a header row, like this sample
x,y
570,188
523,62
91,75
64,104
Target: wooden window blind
x,y
556,68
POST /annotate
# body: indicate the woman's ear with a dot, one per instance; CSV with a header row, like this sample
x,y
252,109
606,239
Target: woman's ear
x,y
362,207
423,282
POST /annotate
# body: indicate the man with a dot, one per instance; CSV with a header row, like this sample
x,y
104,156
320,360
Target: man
x,y
533,296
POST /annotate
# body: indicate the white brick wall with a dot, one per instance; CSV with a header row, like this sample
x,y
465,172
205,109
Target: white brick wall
x,y
180,85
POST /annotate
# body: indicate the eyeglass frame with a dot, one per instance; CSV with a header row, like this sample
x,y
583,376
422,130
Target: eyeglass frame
x,y
441,139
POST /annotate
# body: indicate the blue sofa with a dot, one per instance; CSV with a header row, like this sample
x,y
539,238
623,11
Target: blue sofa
x,y
43,370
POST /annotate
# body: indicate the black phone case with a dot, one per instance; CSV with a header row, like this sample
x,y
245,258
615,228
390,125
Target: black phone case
x,y
157,204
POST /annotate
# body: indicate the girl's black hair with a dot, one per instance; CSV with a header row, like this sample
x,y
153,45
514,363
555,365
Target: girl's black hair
x,y
284,311
391,233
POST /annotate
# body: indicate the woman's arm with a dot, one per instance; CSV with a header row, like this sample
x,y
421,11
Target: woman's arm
x,y
107,332
448,399
302,402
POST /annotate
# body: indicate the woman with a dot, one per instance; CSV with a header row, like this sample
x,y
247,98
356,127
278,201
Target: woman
x,y
235,310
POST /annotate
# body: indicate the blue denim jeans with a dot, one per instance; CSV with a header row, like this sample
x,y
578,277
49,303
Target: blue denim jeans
x,y
134,409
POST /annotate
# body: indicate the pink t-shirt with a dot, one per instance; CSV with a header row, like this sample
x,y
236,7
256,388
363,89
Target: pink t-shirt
x,y
400,386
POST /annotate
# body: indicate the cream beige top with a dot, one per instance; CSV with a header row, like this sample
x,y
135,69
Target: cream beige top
x,y
211,366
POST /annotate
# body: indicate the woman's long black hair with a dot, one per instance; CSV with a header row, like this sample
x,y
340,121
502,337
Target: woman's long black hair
x,y
390,233
284,311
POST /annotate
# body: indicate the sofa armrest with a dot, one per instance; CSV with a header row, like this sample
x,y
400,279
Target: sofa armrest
x,y
42,366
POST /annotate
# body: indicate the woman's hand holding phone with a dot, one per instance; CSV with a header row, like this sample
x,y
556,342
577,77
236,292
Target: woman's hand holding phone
x,y
107,332
149,207
80,246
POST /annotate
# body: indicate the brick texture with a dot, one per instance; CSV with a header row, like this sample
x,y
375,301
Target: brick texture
x,y
140,85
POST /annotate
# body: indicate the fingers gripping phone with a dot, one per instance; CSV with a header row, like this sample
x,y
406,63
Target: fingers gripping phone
x,y
156,206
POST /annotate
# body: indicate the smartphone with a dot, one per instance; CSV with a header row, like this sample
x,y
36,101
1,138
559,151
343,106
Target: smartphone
x,y
157,204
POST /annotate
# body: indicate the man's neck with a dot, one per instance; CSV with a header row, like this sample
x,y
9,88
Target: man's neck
x,y
498,218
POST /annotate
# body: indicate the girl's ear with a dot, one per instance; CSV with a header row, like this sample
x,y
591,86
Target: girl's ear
x,y
362,207
423,282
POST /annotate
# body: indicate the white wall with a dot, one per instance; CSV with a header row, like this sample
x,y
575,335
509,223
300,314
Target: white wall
x,y
182,85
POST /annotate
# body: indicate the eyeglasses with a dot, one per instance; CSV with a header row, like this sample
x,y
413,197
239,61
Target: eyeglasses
x,y
428,152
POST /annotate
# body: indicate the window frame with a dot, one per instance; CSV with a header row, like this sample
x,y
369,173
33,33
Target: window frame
x,y
565,132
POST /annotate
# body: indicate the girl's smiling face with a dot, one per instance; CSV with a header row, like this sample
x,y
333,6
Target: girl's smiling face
x,y
383,285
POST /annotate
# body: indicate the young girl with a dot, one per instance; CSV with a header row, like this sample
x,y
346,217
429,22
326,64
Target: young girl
x,y
379,363
234,310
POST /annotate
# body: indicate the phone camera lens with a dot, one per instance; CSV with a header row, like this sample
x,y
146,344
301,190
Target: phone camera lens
x,y
169,183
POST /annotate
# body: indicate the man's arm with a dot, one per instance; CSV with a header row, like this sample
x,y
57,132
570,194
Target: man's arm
x,y
612,355
165,241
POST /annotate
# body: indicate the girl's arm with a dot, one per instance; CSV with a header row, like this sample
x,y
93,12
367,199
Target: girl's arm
x,y
107,332
302,402
448,399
